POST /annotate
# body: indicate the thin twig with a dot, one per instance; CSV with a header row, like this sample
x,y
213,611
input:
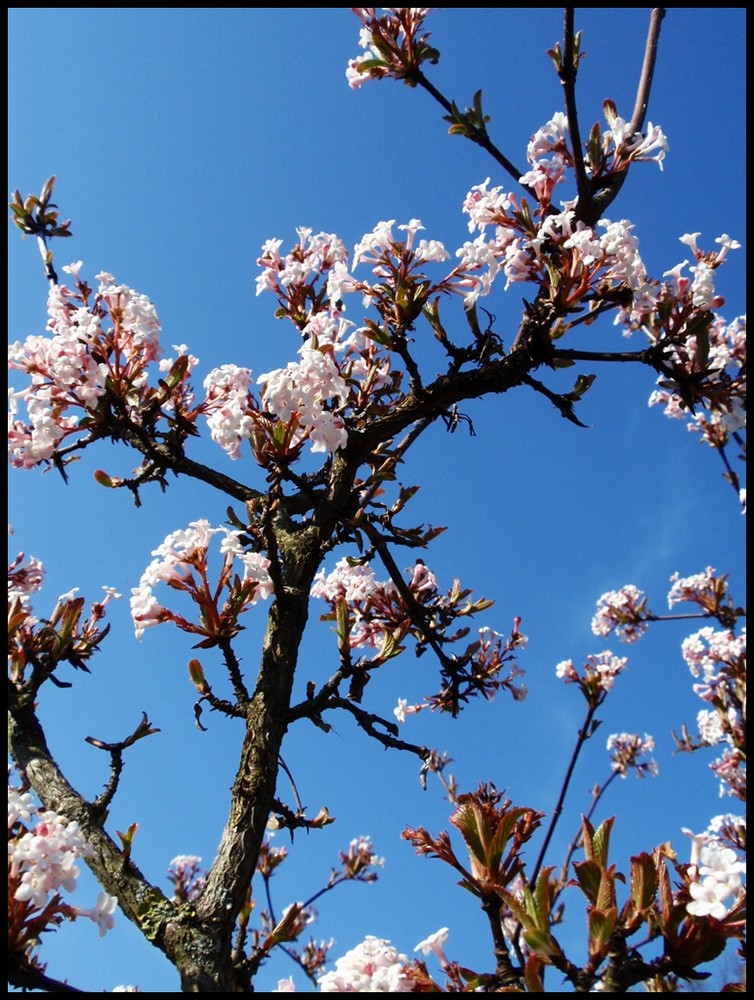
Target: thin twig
x,y
568,73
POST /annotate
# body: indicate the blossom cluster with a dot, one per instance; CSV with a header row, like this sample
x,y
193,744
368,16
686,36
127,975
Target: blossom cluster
x,y
374,966
626,749
393,45
43,850
188,879
293,277
42,644
710,592
181,563
379,615
598,675
24,580
705,383
303,392
623,612
230,409
359,858
715,871
94,367
718,659
523,250
376,607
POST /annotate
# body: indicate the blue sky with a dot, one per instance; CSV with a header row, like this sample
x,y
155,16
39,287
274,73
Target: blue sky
x,y
181,142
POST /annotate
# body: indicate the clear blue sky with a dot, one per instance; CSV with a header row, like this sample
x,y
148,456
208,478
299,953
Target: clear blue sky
x,y
182,141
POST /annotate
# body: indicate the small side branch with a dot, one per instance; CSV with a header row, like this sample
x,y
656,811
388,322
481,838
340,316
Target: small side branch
x,y
234,672
477,135
559,401
568,73
387,736
101,804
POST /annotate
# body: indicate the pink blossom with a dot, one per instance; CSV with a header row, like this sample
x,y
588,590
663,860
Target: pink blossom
x,y
622,611
304,391
718,879
548,139
566,671
485,207
626,749
708,649
102,912
544,176
692,588
630,146
373,966
44,858
24,581
184,553
434,944
355,582
230,408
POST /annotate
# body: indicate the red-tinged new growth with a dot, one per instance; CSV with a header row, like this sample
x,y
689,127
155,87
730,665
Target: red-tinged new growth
x,y
37,647
181,563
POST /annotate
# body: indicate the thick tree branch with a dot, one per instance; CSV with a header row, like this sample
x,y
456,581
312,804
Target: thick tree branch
x,y
141,902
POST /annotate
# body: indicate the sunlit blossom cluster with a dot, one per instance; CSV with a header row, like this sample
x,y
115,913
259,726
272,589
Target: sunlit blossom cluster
x,y
626,144
44,858
307,390
718,659
373,966
359,858
718,352
229,407
709,649
38,646
354,581
181,563
700,588
373,247
392,44
600,671
66,379
626,751
43,851
623,612
522,250
24,579
98,347
187,877
292,276
375,606
715,872
710,724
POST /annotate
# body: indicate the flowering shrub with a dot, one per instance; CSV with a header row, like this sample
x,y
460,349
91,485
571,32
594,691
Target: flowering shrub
x,y
327,435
